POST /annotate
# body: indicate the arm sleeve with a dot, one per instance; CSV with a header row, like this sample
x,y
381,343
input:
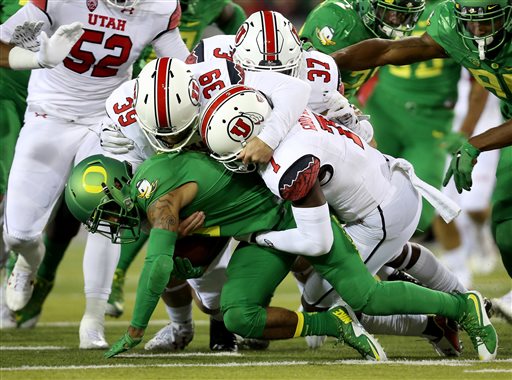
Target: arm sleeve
x,y
289,97
155,275
312,237
170,44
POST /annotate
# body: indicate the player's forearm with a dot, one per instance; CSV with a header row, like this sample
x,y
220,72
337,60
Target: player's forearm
x,y
494,138
231,18
155,275
363,55
476,103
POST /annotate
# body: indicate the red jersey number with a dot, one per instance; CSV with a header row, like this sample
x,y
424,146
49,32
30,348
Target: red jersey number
x,y
126,112
317,69
210,82
82,60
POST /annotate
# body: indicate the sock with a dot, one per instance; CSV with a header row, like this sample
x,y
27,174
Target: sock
x,y
432,273
401,324
95,309
181,315
316,324
54,253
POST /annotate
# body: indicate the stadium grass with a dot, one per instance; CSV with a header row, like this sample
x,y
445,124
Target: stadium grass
x,y
50,351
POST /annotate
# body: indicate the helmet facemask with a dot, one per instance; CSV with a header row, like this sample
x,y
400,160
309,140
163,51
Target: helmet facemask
x,y
484,25
393,19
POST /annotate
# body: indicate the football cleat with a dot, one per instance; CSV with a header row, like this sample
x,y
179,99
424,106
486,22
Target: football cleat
x,y
502,307
354,334
7,320
251,343
115,303
19,289
173,337
92,335
315,341
444,336
220,338
476,323
28,316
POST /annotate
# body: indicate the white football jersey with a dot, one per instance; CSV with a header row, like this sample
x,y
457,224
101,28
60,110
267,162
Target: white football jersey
x,y
102,59
212,78
317,69
354,177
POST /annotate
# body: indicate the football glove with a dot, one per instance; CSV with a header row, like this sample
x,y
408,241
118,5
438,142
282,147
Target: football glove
x,y
26,35
122,345
112,140
452,141
184,270
52,51
461,167
339,110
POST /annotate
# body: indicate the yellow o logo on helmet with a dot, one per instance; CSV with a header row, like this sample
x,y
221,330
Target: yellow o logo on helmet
x,y
94,170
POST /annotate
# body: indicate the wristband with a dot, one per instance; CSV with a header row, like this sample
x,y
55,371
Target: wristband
x,y
22,59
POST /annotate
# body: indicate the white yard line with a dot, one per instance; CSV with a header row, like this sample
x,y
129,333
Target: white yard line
x,y
449,363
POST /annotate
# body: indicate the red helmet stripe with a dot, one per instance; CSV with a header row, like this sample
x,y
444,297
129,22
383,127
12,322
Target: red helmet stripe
x,y
217,102
161,92
270,35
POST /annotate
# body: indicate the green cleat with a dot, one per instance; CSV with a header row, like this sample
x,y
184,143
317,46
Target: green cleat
x,y
478,326
115,304
354,334
28,317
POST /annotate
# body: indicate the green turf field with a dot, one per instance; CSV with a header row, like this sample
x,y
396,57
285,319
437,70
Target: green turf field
x,y
50,351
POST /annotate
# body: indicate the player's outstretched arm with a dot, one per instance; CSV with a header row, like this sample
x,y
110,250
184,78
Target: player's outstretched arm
x,y
378,52
52,51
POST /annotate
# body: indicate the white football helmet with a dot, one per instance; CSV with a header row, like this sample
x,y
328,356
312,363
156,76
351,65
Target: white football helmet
x,y
268,41
229,120
167,103
122,3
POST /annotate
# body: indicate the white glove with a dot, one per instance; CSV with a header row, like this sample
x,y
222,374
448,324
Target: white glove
x,y
363,128
112,140
53,50
26,35
339,110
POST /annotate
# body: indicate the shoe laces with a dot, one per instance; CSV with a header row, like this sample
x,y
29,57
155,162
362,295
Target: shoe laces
x,y
22,280
476,332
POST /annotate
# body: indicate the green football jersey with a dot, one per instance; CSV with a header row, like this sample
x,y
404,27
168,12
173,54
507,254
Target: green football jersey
x,y
234,204
13,83
431,83
494,74
333,25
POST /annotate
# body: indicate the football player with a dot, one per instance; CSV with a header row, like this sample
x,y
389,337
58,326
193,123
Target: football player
x,y
167,187
65,105
476,33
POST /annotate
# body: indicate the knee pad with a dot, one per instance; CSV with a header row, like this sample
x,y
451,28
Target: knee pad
x,y
15,244
248,322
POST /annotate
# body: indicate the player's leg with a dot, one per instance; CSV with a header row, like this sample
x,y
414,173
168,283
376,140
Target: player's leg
x,y
343,268
39,159
59,232
129,251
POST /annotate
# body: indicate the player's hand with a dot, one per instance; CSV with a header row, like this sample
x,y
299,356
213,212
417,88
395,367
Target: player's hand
x,y
112,140
256,151
122,345
461,167
183,269
26,35
191,223
452,141
53,50
338,109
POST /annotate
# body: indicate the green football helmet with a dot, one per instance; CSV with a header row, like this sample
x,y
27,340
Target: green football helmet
x,y
484,25
98,194
390,19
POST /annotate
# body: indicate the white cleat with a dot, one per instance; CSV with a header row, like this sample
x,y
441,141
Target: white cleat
x,y
173,337
315,341
92,335
7,320
502,307
20,286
